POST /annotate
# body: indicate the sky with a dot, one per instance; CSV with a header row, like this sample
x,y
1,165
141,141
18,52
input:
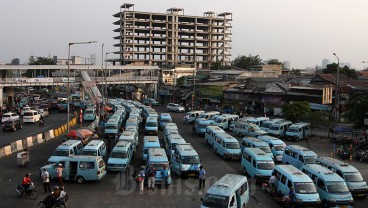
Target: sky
x,y
300,31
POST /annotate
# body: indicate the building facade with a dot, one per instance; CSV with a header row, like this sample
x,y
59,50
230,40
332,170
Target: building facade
x,y
172,38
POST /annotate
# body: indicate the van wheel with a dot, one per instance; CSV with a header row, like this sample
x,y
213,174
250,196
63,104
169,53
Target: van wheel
x,y
80,180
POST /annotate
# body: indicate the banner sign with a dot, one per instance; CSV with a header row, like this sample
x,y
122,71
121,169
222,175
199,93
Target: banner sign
x,y
34,80
65,79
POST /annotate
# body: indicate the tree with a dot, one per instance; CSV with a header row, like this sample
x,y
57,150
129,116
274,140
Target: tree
x,y
216,65
357,109
247,61
15,61
275,62
296,111
39,61
332,69
180,81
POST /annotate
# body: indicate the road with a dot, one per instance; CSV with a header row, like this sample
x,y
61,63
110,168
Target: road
x,y
119,190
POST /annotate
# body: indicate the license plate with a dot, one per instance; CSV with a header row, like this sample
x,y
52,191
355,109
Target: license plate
x,y
360,195
191,174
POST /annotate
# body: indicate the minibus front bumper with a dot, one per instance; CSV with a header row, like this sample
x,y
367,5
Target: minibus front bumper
x,y
315,204
189,173
359,192
341,204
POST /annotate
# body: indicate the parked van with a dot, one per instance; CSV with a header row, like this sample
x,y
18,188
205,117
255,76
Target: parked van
x,y
277,146
192,116
112,127
257,164
278,129
306,194
164,119
211,132
227,147
208,115
95,148
148,143
224,120
248,129
355,181
31,116
258,121
67,148
158,159
130,136
169,126
230,191
185,161
151,126
267,124
89,114
120,156
298,156
168,132
172,141
331,187
298,131
200,126
255,143
78,168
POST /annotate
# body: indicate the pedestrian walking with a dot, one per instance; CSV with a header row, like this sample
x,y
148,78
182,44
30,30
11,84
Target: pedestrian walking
x,y
151,177
45,175
165,176
59,172
202,177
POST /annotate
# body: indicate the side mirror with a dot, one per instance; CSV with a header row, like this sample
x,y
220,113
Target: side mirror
x,y
201,199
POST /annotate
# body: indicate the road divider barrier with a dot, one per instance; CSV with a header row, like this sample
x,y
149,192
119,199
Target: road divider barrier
x,y
39,138
51,133
29,141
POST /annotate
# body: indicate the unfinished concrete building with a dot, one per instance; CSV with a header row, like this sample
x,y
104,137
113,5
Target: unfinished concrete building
x,y
172,38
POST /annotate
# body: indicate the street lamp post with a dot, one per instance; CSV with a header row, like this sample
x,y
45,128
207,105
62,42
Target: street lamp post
x,y
68,86
106,93
337,99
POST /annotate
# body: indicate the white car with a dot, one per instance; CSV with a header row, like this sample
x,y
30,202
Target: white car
x,y
43,112
9,116
175,107
24,109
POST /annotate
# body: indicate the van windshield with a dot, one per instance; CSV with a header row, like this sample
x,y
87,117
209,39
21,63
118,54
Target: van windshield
x,y
353,177
233,145
337,187
190,160
265,165
121,155
305,188
111,127
61,153
294,130
309,159
151,124
89,152
265,149
215,201
279,147
159,166
274,128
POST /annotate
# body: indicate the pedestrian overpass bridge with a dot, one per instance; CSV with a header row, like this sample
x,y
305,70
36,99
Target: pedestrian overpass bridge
x,y
89,76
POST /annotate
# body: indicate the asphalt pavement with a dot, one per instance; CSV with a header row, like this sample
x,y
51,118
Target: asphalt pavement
x,y
120,190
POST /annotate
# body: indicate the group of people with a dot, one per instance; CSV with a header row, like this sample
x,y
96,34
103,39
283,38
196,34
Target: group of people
x,y
287,199
149,173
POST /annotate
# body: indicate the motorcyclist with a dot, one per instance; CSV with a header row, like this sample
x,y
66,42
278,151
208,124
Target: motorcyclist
x,y
62,196
26,183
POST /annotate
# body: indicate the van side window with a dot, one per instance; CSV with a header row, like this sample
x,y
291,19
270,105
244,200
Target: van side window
x,y
254,163
339,173
283,180
288,152
86,165
290,184
295,155
241,190
301,158
223,144
321,185
278,175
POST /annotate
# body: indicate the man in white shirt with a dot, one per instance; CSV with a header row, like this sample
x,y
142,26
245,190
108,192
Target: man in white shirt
x,y
202,177
46,180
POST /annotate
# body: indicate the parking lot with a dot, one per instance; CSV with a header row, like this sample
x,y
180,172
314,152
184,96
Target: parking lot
x,y
120,190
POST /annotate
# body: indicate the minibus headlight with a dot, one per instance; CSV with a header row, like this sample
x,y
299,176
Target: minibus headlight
x,y
351,200
299,200
351,188
318,200
332,199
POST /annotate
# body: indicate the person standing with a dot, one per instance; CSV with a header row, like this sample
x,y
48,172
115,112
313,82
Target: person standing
x,y
165,176
46,180
141,177
151,177
59,173
202,177
272,183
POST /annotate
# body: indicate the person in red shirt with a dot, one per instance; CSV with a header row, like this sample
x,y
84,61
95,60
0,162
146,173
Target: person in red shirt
x,y
26,181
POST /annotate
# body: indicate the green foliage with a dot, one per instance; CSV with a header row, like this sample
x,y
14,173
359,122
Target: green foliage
x,y
357,109
296,111
247,61
217,65
39,61
332,69
15,61
275,62
180,81
318,118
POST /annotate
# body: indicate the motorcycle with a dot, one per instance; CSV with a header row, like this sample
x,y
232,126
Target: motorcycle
x,y
41,122
49,202
29,192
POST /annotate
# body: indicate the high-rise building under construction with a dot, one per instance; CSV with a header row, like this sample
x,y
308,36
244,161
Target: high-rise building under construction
x,y
172,38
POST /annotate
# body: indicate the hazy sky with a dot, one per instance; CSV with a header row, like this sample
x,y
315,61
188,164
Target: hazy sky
x,y
301,31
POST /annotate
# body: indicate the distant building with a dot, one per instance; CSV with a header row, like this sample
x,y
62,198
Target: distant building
x,y
172,38
92,59
287,64
325,62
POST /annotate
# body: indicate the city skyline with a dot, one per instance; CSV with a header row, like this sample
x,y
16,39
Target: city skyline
x,y
303,33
